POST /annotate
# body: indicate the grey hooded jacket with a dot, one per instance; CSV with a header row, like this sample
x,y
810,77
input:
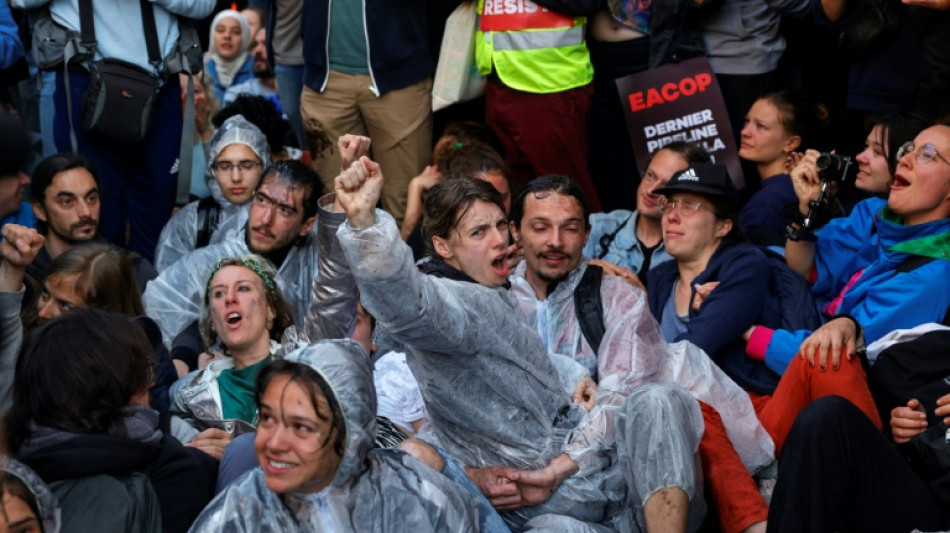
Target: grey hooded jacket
x,y
374,490
48,507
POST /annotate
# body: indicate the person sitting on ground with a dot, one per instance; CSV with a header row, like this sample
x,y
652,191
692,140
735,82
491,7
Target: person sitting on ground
x,y
633,240
237,159
28,506
877,270
228,61
80,419
477,362
774,128
842,474
93,275
318,469
699,207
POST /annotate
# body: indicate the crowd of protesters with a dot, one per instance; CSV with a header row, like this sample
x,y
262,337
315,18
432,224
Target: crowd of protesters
x,y
250,281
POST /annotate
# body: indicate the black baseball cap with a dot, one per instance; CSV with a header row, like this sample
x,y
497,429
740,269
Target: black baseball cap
x,y
703,178
16,145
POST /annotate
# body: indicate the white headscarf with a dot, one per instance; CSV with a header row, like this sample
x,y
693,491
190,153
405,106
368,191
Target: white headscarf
x,y
226,69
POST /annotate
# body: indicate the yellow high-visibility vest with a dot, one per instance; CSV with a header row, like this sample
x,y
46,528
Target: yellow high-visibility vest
x,y
530,48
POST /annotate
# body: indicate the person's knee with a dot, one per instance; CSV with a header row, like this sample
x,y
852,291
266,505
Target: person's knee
x,y
424,452
653,399
826,413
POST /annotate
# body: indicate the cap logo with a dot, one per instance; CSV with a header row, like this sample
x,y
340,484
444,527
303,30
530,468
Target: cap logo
x,y
688,175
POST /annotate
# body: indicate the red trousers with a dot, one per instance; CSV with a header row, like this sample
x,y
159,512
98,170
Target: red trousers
x,y
734,492
543,134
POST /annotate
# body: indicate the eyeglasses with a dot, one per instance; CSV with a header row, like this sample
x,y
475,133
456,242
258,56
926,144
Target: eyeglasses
x,y
244,167
685,208
925,153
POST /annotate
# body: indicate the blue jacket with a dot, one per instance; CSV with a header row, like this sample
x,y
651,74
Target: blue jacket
x,y
743,272
245,73
625,250
396,38
11,49
763,219
882,299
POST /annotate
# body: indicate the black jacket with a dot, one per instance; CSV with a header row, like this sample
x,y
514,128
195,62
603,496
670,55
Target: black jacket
x,y
182,478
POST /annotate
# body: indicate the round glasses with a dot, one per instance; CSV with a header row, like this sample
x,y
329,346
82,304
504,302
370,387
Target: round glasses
x,y
924,154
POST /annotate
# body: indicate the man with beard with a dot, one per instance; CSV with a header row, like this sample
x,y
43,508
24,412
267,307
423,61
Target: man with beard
x,y
549,219
280,227
66,202
264,83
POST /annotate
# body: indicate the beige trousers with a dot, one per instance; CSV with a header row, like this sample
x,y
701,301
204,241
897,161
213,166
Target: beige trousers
x,y
398,122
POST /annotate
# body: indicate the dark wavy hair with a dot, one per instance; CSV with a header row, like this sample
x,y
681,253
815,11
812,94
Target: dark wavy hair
x,y
77,373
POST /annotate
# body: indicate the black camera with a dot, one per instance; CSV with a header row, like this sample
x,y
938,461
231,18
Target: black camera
x,y
833,167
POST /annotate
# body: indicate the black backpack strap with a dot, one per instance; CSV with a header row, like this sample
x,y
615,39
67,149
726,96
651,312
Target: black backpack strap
x,y
151,33
208,211
589,308
87,26
608,238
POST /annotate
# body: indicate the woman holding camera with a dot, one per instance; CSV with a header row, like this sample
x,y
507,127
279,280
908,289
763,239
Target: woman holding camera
x,y
773,130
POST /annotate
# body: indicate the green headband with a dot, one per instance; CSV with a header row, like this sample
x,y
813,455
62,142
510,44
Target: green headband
x,y
256,268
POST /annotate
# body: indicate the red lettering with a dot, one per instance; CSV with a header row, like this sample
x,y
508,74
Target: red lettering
x,y
669,92
688,86
703,80
636,101
653,98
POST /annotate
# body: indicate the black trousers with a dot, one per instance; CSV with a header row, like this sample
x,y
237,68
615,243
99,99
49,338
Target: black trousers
x,y
839,473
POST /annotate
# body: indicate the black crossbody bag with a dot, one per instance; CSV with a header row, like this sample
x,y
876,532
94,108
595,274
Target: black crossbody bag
x,y
120,97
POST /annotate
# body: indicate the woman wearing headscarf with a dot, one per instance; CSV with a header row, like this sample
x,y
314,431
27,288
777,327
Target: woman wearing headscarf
x,y
228,61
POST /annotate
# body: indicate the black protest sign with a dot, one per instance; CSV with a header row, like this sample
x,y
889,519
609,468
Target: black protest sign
x,y
679,102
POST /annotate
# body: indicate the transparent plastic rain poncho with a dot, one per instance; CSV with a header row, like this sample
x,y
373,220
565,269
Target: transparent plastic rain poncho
x,y
374,490
180,234
633,352
47,506
496,398
331,314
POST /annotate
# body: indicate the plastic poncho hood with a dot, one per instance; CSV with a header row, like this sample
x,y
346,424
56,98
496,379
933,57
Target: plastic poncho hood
x,y
46,503
237,130
348,371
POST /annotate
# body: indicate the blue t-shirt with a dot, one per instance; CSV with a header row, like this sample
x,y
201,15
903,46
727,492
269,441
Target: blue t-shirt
x,y
671,324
